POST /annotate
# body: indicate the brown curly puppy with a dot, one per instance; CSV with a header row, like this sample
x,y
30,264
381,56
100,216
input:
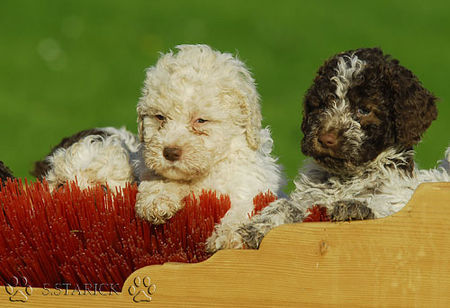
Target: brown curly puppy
x,y
371,104
361,118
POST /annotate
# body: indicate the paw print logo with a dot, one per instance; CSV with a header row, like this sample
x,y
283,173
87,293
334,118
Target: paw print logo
x,y
18,295
142,289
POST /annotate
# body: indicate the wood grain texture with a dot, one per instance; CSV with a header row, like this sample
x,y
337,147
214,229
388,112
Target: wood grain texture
x,y
401,260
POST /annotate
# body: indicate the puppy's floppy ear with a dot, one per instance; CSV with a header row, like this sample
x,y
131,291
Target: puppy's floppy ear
x,y
150,74
140,121
249,104
414,106
247,114
250,108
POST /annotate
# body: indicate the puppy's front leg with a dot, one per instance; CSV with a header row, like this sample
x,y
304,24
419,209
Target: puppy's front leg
x,y
282,211
347,210
250,233
158,201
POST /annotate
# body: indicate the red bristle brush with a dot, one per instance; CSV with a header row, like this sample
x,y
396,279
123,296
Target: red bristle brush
x,y
86,237
316,213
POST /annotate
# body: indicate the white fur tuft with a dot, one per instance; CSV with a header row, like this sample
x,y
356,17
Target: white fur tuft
x,y
345,72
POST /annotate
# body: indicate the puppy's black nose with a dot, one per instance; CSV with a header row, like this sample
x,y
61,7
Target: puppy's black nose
x,y
328,140
172,154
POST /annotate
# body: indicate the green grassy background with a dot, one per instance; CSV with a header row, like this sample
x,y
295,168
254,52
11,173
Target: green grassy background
x,y
72,65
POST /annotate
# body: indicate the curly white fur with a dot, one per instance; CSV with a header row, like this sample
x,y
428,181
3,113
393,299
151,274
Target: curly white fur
x,y
204,104
348,67
398,190
95,160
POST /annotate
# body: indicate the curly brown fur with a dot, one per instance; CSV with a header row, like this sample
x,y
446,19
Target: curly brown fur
x,y
5,173
361,118
41,167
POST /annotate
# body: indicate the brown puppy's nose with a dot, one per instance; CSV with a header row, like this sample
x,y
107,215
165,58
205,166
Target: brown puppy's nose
x,y
328,140
172,154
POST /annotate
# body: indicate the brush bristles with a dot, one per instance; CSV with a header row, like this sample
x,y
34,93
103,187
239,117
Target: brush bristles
x,y
261,201
89,236
316,213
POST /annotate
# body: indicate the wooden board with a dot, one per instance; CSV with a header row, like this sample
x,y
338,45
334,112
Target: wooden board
x,y
401,260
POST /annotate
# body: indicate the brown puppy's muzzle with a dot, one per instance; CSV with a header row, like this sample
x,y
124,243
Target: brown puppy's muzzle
x,y
329,140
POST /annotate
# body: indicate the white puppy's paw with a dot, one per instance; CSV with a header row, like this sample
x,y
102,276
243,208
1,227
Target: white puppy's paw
x,y
224,238
156,209
155,204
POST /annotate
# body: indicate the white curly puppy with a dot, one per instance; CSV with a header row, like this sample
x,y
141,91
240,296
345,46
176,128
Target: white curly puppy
x,y
95,156
199,122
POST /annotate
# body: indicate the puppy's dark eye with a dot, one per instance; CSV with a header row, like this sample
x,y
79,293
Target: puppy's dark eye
x,y
201,121
160,117
364,111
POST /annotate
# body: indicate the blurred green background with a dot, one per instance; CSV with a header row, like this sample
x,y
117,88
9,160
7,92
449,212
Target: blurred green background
x,y
71,65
